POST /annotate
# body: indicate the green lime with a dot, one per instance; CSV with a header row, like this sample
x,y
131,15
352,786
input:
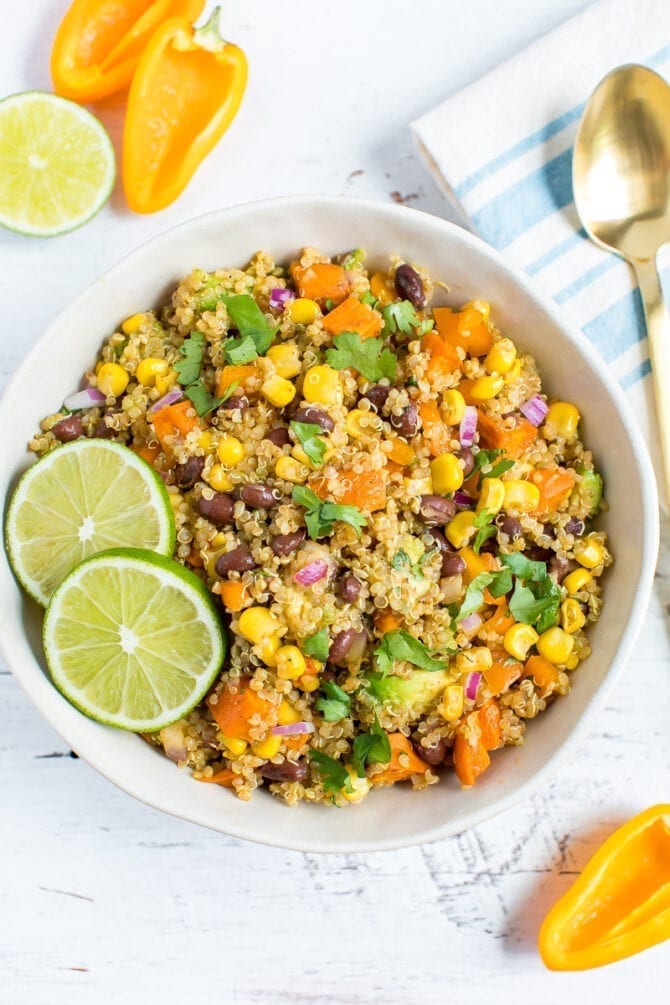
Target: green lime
x,y
57,164
133,639
83,497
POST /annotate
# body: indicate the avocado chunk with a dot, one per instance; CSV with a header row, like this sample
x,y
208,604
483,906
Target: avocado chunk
x,y
592,487
411,695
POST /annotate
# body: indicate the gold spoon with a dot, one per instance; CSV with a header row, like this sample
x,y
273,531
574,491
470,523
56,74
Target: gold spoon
x,y
621,183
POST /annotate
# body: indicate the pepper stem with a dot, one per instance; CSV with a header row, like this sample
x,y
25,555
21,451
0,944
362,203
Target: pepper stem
x,y
209,35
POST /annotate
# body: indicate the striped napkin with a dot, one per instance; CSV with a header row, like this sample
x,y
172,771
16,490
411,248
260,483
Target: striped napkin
x,y
502,151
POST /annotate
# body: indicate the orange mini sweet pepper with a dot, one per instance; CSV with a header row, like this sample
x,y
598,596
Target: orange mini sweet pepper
x,y
185,93
620,904
99,42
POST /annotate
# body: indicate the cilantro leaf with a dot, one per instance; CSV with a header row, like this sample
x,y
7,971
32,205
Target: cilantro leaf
x,y
203,401
474,595
524,568
335,704
334,774
188,368
400,645
371,748
238,351
400,317
537,604
500,468
368,356
311,440
485,462
317,646
399,559
251,323
369,299
321,516
484,522
502,582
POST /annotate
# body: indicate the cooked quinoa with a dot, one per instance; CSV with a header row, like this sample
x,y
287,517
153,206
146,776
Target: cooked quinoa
x,y
399,524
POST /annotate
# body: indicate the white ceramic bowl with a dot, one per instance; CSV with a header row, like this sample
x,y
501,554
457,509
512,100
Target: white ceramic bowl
x,y
570,368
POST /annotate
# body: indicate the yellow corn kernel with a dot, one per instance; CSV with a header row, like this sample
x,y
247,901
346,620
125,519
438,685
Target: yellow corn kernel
x,y
164,381
112,380
219,478
589,552
290,663
322,385
299,453
454,407
491,496
308,682
483,306
451,706
477,658
555,645
229,450
360,423
256,623
205,440
380,289
303,311
291,470
514,371
521,495
572,616
288,714
561,420
357,788
485,388
575,581
286,359
572,663
150,368
267,649
518,639
233,746
501,356
461,529
268,747
446,473
131,324
278,391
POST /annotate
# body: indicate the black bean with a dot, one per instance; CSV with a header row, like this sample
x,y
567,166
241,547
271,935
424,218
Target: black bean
x,y
68,429
409,285
468,457
490,547
187,474
431,755
575,526
286,544
452,565
407,423
436,510
549,530
560,566
349,588
509,526
103,431
279,436
377,395
239,559
258,496
537,554
287,771
218,510
316,416
238,402
347,647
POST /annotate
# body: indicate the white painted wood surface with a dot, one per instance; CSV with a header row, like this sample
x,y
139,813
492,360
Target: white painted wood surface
x,y
103,899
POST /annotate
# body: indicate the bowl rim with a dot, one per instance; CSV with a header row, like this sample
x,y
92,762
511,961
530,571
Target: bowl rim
x,y
650,545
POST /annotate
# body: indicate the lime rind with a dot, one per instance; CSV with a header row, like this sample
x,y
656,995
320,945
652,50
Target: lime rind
x,y
186,642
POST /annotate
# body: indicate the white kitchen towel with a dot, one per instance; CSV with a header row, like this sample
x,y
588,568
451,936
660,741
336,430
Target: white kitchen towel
x,y
502,150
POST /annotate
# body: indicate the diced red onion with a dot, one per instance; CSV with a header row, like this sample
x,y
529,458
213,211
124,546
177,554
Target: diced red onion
x,y
472,684
293,729
535,410
471,623
279,298
87,398
176,394
468,426
462,499
312,572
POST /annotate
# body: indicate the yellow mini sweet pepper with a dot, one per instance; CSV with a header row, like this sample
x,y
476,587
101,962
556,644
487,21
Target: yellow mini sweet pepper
x,y
620,904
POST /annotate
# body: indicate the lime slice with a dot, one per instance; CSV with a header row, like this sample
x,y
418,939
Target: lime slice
x,y
133,639
81,498
56,164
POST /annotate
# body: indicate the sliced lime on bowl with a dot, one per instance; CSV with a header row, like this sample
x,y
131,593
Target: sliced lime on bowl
x,y
133,639
81,498
57,164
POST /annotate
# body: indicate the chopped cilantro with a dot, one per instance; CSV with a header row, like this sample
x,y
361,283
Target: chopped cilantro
x,y
486,529
399,559
400,645
474,595
317,646
253,327
368,356
188,367
369,299
400,317
240,351
321,515
334,774
524,568
335,703
536,596
203,401
311,440
371,748
484,462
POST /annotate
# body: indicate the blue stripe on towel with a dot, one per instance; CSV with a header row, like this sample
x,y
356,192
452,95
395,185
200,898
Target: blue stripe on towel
x,y
637,373
617,328
588,277
559,249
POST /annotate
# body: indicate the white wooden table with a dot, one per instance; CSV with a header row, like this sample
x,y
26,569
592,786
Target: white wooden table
x,y
103,899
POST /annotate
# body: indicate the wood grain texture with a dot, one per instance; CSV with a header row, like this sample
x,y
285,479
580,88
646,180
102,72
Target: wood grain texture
x,y
103,899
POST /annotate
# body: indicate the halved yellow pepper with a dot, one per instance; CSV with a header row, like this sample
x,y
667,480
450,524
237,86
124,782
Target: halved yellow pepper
x,y
620,904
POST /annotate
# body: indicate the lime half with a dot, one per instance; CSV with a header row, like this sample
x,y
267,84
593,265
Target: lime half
x,y
133,639
81,498
57,164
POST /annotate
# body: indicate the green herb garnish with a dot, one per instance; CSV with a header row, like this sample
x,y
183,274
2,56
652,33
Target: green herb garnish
x,y
321,516
188,367
317,646
311,440
368,356
486,529
400,645
335,703
371,748
333,773
369,299
486,459
536,598
256,334
237,352
203,401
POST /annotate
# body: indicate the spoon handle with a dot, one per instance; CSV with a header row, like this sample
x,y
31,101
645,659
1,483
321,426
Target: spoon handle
x,y
658,331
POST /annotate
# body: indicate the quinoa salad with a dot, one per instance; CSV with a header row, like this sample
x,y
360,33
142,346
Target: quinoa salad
x,y
397,522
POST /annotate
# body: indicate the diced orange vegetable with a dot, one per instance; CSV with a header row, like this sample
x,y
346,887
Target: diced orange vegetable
x,y
321,281
512,441
194,559
174,420
464,329
401,452
394,771
387,621
475,564
555,485
222,777
392,467
232,711
465,387
493,601
443,357
353,316
498,622
541,670
232,594
366,490
230,374
469,761
149,454
488,717
435,432
502,674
